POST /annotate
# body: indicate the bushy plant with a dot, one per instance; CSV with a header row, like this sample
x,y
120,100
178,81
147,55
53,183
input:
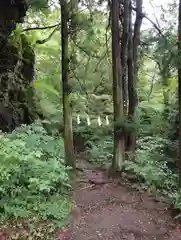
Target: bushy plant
x,y
150,165
33,179
175,197
101,152
152,169
150,115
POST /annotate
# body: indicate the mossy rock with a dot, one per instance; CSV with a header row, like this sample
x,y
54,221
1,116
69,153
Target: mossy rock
x,y
17,94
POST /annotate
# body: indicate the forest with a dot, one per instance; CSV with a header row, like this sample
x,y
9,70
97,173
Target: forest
x,y
90,102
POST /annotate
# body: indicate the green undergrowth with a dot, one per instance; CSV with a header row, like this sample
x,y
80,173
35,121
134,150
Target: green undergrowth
x,y
102,152
34,182
155,171
152,170
151,165
97,140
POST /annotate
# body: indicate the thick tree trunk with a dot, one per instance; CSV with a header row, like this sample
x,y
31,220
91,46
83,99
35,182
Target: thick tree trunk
x,y
131,88
124,54
118,157
136,36
67,114
179,85
133,70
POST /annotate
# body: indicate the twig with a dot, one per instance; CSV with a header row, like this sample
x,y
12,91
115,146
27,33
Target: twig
x,y
151,21
99,183
40,28
90,186
48,38
79,169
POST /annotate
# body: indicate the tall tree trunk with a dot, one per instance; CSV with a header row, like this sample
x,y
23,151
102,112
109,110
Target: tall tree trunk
x,y
179,84
131,88
136,36
133,68
118,157
124,53
67,113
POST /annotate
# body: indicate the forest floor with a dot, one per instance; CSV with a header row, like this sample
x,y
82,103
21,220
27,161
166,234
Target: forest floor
x,y
112,210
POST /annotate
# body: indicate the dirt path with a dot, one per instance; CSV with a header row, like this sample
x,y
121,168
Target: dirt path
x,y
117,212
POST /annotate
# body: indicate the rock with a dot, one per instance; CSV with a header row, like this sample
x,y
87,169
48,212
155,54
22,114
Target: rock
x,y
16,69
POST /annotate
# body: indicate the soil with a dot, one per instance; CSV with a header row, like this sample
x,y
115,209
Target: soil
x,y
110,210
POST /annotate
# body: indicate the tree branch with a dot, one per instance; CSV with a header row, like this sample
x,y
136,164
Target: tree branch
x,y
152,84
78,80
151,21
82,49
154,25
99,84
48,38
41,28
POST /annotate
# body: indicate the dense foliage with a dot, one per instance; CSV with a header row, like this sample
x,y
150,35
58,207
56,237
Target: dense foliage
x,y
92,95
34,182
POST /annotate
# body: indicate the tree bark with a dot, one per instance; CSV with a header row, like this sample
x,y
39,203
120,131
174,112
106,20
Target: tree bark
x,y
67,113
133,70
131,89
124,53
118,156
179,85
136,36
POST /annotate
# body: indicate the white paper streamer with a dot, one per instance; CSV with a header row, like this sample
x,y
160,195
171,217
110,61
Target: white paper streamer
x,y
99,121
78,119
88,120
107,120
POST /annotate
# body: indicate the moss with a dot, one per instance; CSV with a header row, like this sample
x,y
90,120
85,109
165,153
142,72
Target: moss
x,y
17,93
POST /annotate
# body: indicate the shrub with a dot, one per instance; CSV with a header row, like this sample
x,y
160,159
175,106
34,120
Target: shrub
x,y
150,165
33,179
175,197
152,168
101,152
